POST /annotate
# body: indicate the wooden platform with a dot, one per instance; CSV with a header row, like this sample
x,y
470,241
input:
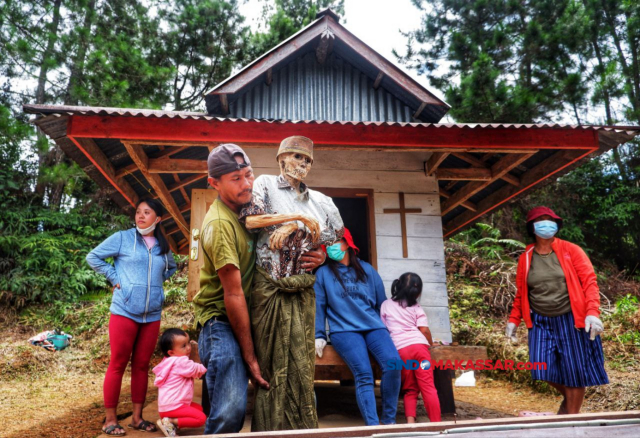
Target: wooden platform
x,y
561,431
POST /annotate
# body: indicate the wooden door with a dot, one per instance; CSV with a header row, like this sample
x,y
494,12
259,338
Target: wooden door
x,y
201,200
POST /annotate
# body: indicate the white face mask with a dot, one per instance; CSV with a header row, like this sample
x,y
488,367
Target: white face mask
x,y
145,231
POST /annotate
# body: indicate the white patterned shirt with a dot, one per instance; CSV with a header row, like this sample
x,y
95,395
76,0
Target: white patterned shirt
x,y
274,195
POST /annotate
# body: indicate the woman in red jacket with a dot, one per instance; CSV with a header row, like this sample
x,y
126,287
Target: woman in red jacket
x,y
558,299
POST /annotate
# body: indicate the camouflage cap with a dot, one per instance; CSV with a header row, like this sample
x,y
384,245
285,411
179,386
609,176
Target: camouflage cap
x,y
296,144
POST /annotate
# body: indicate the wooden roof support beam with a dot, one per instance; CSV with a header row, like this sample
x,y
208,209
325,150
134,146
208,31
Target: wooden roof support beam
x,y
141,159
419,110
497,171
167,165
186,207
102,163
466,204
325,46
545,169
514,181
268,77
434,161
185,182
163,153
224,103
470,174
376,83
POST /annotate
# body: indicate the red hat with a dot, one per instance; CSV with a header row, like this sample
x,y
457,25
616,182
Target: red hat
x,y
536,212
347,236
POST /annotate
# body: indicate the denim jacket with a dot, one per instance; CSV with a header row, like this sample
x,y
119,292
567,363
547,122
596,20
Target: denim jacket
x,y
139,271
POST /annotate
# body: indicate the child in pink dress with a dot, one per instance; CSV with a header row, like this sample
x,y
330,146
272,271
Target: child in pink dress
x,y
407,324
174,379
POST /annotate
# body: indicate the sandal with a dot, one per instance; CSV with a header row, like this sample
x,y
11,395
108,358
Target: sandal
x,y
143,426
111,430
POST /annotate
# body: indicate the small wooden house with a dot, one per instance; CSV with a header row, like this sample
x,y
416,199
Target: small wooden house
x,y
402,181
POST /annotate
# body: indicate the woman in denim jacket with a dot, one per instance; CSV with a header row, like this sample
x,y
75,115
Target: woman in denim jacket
x,y
142,262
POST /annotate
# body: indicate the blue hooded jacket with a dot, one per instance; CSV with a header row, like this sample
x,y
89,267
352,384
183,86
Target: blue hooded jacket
x,y
139,271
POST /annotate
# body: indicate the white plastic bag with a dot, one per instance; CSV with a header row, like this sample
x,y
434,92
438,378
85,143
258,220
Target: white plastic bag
x,y
466,379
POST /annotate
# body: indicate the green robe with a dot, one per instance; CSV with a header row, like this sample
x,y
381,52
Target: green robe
x,y
283,316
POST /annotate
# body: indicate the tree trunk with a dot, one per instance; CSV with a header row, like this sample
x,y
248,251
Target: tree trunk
x,y
42,80
77,68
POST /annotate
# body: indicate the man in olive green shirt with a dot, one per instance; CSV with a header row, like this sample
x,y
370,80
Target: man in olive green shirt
x,y
225,344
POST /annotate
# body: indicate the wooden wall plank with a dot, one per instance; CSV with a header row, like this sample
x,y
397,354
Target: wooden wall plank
x,y
418,225
419,248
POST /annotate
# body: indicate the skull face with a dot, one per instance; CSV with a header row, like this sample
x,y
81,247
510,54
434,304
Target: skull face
x,y
295,165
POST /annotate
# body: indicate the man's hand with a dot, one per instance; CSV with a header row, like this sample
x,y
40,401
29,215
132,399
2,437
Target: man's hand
x,y
117,286
312,259
510,332
277,239
594,324
256,375
320,344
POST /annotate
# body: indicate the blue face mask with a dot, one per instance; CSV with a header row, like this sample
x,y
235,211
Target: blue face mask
x,y
545,229
335,252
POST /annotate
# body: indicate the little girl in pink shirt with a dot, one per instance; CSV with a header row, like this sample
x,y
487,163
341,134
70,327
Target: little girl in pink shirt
x,y
407,324
174,379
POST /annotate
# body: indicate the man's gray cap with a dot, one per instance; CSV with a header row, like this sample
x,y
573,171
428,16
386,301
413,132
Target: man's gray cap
x,y
222,160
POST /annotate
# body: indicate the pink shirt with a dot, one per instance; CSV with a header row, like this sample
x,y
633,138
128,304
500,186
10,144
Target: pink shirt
x,y
174,379
403,323
150,240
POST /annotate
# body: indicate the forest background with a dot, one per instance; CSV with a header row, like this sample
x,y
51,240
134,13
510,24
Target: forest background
x,y
512,61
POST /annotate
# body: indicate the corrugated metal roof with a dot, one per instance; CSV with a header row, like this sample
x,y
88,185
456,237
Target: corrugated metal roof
x,y
61,110
334,90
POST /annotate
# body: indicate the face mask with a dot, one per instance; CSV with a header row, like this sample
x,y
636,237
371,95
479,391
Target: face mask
x,y
545,229
335,252
145,231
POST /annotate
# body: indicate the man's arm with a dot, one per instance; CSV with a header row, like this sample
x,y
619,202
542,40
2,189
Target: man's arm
x,y
238,314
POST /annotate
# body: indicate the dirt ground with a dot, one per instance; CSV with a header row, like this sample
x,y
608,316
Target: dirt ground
x,y
71,406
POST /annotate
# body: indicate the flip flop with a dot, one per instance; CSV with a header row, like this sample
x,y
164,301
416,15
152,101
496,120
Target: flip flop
x,y
143,426
110,430
534,414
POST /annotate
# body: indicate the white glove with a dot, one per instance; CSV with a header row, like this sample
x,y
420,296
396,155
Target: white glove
x,y
594,324
320,344
510,332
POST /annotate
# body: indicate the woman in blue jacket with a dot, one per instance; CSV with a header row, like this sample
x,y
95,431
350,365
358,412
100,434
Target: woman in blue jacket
x,y
349,293
142,262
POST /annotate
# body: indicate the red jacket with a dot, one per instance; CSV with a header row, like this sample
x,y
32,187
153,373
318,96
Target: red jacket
x,y
584,294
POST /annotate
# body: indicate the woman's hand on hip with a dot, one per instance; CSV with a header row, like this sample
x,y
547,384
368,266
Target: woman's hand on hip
x,y
117,286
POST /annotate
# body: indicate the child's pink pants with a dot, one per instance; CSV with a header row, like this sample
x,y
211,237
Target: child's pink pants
x,y
188,416
419,381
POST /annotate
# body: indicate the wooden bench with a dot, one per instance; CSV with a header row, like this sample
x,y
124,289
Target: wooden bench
x,y
331,367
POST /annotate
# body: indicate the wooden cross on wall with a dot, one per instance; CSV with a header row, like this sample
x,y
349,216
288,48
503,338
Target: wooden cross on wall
x,y
403,221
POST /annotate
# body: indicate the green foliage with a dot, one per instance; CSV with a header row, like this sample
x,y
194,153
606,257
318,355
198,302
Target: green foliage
x,y
204,41
485,240
42,252
284,18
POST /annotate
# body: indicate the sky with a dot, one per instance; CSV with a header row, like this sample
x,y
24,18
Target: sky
x,y
377,23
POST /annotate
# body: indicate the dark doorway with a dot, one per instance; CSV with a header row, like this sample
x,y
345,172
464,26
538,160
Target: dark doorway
x,y
356,209
354,216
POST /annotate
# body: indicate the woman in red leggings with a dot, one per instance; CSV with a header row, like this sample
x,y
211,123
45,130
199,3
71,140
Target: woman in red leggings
x,y
142,262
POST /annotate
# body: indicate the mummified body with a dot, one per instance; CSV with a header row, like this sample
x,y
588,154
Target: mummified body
x,y
282,297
